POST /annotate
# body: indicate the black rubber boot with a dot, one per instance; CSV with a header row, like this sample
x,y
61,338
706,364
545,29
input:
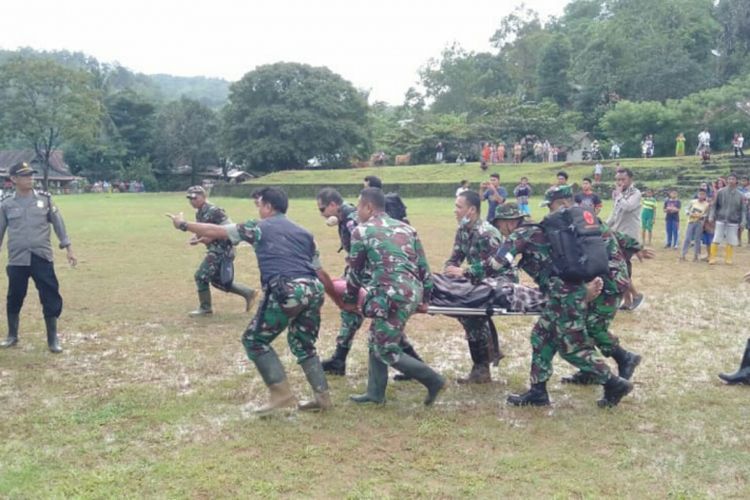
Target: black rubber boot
x,y
423,374
52,342
270,368
626,362
12,338
480,371
336,364
615,388
408,349
535,396
204,308
377,381
317,380
741,376
245,292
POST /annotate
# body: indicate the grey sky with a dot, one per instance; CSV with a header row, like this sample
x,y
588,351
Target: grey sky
x,y
377,45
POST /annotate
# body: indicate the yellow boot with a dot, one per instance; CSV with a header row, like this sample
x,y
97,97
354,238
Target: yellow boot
x,y
728,254
712,251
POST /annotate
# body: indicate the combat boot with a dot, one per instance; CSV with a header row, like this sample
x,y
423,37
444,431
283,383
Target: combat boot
x,y
423,374
205,304
480,370
317,380
245,292
409,349
615,388
741,376
377,381
270,368
51,324
12,338
336,364
626,362
535,396
579,378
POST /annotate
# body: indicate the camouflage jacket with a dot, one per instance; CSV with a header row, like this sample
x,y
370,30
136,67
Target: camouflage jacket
x,y
212,214
477,245
387,258
347,222
531,243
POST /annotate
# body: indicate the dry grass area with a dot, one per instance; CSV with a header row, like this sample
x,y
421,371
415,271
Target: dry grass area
x,y
146,402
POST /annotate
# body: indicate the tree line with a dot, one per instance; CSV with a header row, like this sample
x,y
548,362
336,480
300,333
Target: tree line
x,y
619,69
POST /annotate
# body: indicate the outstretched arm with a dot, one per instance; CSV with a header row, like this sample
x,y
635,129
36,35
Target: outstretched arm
x,y
202,230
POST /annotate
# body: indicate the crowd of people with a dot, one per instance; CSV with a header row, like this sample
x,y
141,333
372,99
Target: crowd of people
x,y
117,187
529,148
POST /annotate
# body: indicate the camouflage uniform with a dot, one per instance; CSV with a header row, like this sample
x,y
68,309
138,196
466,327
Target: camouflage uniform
x,y
291,300
208,272
350,321
562,324
388,260
477,244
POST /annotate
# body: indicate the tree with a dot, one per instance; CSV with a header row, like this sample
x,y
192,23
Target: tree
x,y
43,104
283,114
552,72
188,134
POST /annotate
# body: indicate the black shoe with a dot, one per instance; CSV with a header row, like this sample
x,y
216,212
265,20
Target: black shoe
x,y
535,396
741,376
579,378
336,364
9,342
615,388
12,339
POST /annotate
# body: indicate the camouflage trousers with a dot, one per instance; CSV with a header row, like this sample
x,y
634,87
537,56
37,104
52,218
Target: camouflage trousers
x,y
562,327
209,273
350,323
601,311
299,312
386,337
477,328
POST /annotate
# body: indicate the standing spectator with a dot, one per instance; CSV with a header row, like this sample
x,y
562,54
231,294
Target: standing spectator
x,y
704,143
696,212
493,154
738,144
587,198
546,152
493,193
486,154
517,151
501,152
439,152
460,159
522,193
650,146
745,190
626,218
672,207
27,216
598,170
555,153
727,211
648,213
679,147
562,178
538,150
462,188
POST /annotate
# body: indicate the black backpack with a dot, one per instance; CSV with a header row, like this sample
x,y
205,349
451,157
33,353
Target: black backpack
x,y
579,252
394,207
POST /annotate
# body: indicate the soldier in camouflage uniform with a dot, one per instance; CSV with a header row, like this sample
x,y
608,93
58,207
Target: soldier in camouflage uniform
x,y
293,295
562,324
602,309
332,206
476,242
387,259
209,272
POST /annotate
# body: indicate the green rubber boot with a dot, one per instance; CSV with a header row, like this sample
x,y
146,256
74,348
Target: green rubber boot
x,y
270,368
52,342
204,309
12,338
377,381
317,379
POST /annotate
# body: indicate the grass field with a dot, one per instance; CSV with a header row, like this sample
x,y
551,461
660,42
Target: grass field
x,y
147,402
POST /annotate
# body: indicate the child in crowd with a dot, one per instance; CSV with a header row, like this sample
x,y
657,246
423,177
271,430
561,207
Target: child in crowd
x,y
672,208
522,193
696,212
648,202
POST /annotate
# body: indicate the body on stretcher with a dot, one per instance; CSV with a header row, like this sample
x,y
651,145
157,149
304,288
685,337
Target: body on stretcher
x,y
460,297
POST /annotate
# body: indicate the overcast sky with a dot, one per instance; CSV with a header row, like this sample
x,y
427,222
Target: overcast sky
x,y
377,44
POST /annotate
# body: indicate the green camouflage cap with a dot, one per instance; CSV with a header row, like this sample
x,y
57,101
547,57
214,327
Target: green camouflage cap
x,y
194,191
508,211
557,193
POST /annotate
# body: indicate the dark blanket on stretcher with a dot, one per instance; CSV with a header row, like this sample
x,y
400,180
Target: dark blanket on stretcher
x,y
495,293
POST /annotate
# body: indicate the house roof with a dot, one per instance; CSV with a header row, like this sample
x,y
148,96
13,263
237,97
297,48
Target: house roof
x,y
58,171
